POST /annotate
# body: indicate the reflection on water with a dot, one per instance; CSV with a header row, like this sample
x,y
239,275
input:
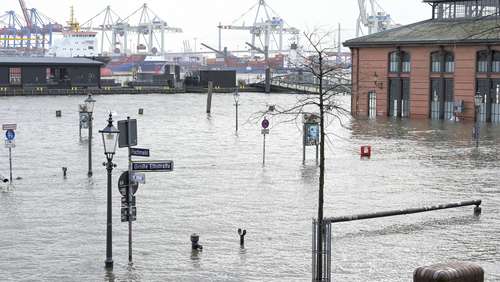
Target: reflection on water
x,y
53,229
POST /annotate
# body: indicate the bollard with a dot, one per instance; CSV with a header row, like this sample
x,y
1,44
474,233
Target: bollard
x,y
194,242
242,236
141,111
477,211
58,113
64,169
452,272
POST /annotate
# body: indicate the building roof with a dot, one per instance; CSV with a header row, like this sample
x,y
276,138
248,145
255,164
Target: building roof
x,y
456,31
13,60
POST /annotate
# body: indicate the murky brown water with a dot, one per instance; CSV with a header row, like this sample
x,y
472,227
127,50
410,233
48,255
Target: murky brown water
x,y
53,229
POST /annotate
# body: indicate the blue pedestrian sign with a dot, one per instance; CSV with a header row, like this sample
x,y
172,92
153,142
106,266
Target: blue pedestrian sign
x,y
10,135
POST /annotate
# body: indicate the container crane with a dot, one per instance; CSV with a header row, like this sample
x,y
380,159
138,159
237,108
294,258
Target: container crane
x,y
376,21
29,24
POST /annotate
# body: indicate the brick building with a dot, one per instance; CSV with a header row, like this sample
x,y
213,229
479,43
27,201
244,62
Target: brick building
x,y
434,68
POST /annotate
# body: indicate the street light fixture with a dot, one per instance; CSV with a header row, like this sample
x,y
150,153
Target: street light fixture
x,y
236,97
478,100
110,140
89,109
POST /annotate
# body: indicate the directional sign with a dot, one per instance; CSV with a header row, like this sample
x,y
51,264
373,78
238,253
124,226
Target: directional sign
x,y
11,126
123,184
10,134
153,166
139,152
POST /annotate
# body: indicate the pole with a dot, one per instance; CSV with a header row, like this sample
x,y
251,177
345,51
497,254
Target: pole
x,y
236,115
109,225
209,96
304,144
264,151
129,194
90,145
10,165
476,129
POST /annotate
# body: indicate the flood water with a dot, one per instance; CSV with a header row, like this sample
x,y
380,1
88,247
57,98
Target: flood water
x,y
54,229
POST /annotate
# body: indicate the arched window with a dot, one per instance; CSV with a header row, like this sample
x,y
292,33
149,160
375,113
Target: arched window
x,y
482,61
399,61
495,63
394,61
405,62
436,61
449,62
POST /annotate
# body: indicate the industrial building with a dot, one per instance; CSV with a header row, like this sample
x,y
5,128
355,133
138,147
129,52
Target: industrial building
x,y
49,73
434,68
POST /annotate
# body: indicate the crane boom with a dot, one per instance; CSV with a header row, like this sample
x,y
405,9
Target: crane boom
x,y
25,13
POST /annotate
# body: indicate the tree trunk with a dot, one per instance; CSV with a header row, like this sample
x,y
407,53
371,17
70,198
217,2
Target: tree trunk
x,y
321,173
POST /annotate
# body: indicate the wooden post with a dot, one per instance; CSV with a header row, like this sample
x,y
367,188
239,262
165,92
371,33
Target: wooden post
x,y
209,96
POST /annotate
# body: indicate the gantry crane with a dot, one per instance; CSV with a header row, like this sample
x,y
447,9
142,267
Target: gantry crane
x,y
376,21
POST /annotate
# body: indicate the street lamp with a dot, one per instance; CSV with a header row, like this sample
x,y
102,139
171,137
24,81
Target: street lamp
x,y
478,99
109,139
89,108
236,97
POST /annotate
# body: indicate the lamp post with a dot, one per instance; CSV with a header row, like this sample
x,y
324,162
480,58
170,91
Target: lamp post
x,y
89,108
236,97
109,139
478,99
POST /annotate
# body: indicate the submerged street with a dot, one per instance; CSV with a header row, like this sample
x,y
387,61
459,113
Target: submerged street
x,y
54,229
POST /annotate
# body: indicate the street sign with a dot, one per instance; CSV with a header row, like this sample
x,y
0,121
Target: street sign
x,y
123,138
10,135
153,166
124,214
11,126
138,178
125,202
265,131
139,152
265,123
10,144
123,184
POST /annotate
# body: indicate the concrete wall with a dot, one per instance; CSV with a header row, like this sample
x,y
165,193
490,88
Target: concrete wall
x,y
370,73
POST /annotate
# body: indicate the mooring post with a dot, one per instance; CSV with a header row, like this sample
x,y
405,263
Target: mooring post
x,y
194,242
242,236
209,96
65,170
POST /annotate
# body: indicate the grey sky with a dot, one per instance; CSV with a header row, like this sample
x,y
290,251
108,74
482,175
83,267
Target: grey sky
x,y
199,18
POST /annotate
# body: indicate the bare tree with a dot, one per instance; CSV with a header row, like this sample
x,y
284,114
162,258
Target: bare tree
x,y
328,78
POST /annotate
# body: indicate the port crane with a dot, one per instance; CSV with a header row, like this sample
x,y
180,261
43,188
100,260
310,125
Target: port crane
x,y
148,29
267,25
376,20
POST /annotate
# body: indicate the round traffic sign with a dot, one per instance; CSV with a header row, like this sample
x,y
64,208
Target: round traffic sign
x,y
10,135
123,184
265,123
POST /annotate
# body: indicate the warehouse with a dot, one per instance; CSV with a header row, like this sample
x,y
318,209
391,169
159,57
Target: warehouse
x,y
434,68
49,72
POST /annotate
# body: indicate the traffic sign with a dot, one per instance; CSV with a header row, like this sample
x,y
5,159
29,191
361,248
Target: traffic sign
x,y
124,214
139,152
123,184
10,144
10,134
126,138
8,126
265,123
153,166
265,131
125,202
139,178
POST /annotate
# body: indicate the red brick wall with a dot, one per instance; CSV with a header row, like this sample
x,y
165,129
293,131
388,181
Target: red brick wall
x,y
368,61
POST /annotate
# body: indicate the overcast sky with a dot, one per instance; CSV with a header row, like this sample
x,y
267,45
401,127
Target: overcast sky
x,y
199,18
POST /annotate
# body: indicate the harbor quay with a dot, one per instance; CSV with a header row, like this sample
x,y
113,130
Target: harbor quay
x,y
54,225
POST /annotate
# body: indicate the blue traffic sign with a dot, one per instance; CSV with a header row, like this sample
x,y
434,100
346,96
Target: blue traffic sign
x,y
10,135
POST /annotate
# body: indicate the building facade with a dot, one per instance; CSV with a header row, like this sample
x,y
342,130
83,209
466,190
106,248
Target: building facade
x,y
49,72
434,68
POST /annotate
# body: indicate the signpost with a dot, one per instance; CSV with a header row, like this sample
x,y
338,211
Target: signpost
x,y
264,131
129,180
10,137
